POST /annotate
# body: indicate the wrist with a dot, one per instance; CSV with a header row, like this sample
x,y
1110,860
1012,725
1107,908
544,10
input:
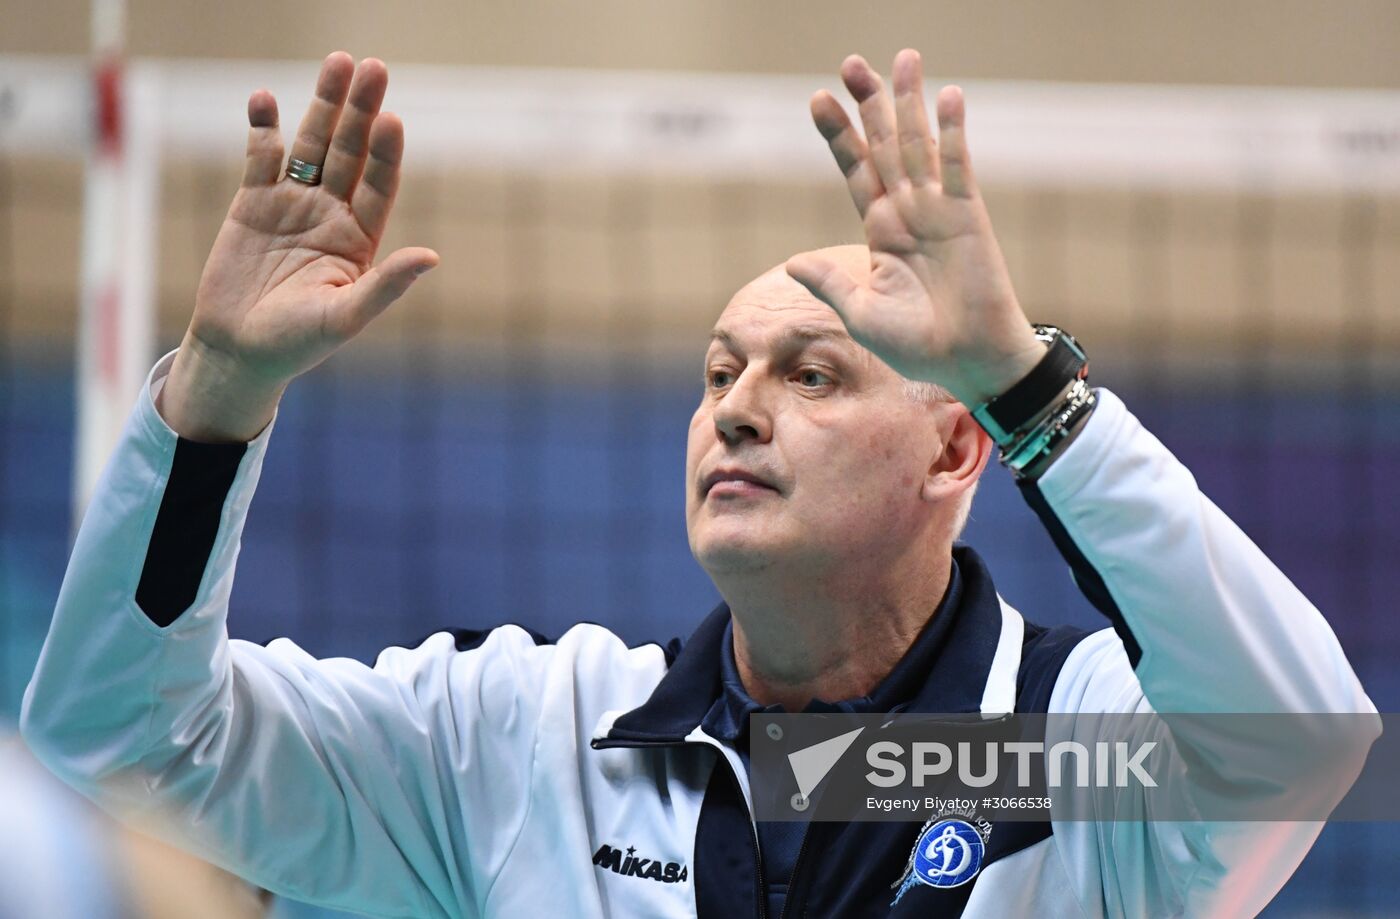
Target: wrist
x,y
995,378
1033,421
1029,453
211,399
1015,411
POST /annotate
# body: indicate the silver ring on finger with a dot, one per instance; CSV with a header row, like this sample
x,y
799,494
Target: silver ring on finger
x,y
303,172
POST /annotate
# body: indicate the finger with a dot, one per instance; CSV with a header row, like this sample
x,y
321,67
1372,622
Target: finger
x,y
374,197
314,134
372,293
877,117
916,146
828,281
848,148
954,162
345,159
264,162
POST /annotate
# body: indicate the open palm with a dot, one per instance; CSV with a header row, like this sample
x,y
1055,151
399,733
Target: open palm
x,y
291,276
938,304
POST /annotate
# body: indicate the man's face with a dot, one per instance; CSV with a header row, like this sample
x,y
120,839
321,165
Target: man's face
x,y
839,451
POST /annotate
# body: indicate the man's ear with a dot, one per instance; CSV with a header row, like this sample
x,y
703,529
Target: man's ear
x,y
966,450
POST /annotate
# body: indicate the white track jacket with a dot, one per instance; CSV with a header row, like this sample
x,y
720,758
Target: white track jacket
x,y
496,773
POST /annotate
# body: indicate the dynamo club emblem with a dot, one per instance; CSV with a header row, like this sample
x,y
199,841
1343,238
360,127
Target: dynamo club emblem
x,y
949,853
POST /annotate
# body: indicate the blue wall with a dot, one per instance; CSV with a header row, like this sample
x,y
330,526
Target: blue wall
x,y
395,505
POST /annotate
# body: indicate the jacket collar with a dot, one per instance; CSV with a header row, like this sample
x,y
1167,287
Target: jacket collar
x,y
960,645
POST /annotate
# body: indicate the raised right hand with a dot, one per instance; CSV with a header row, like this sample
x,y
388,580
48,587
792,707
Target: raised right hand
x,y
289,279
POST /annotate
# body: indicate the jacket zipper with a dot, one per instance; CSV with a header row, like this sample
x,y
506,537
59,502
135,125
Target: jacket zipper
x,y
796,867
762,898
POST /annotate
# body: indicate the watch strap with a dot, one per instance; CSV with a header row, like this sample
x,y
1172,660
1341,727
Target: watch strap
x,y
1033,394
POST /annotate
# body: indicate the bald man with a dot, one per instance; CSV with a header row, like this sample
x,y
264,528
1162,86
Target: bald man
x,y
825,492
852,399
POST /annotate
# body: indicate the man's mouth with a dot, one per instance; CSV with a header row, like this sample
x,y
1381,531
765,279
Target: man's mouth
x,y
735,482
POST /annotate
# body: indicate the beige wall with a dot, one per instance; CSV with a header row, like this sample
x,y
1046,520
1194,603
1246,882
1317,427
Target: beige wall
x,y
1255,42
608,263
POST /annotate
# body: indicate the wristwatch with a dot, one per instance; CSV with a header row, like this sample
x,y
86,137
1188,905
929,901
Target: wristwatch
x,y
1025,402
1034,416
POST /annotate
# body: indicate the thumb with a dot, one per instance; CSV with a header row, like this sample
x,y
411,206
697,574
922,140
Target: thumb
x,y
372,293
827,280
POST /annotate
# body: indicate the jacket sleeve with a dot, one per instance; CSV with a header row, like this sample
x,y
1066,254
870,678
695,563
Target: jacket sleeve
x,y
394,790
1203,622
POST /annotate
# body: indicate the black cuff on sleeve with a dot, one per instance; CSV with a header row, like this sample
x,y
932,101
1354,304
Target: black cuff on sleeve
x,y
187,525
1090,582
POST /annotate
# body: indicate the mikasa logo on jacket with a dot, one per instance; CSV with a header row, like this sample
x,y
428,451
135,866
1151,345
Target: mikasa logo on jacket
x,y
650,868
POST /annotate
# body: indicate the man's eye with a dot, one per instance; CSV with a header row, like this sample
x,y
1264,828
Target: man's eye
x,y
717,379
813,378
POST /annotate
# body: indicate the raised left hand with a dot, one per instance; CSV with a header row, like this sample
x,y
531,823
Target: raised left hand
x,y
938,304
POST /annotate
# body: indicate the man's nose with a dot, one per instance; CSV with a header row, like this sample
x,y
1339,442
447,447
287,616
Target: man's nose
x,y
743,413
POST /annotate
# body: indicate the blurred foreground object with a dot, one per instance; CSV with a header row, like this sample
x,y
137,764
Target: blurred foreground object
x,y
62,859
54,859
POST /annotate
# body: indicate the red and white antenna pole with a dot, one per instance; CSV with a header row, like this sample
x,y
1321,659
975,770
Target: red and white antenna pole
x,y
115,330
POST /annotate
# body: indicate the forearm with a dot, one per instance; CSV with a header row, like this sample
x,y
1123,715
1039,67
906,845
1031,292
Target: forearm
x,y
251,757
152,564
1211,626
1219,627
